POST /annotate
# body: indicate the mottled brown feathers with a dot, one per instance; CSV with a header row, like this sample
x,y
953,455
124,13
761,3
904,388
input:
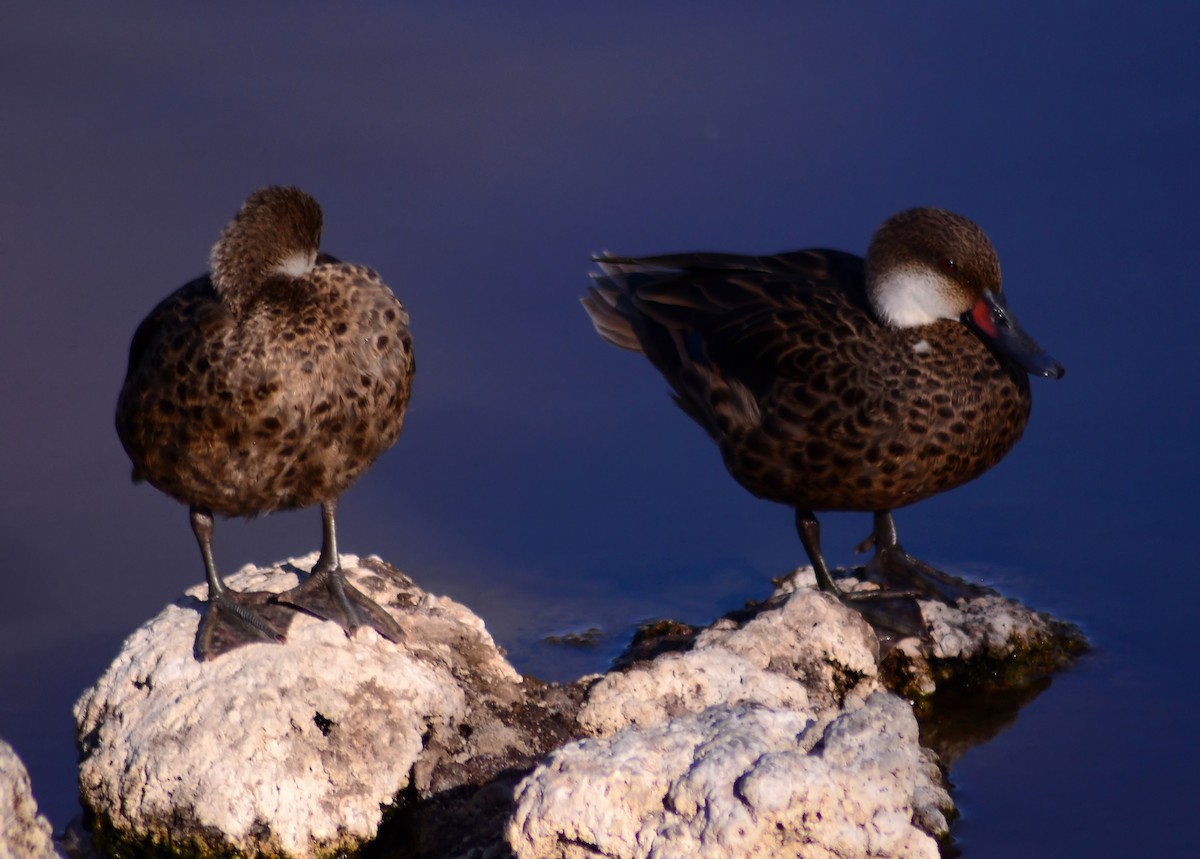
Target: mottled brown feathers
x,y
275,392
274,227
813,401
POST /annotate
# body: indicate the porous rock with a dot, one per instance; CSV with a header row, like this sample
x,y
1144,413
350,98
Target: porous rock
x,y
295,749
678,683
802,650
24,833
801,659
987,642
738,780
808,636
987,627
761,733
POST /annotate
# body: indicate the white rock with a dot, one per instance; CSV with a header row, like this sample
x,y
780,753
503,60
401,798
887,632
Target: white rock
x,y
810,637
285,749
678,683
736,781
769,737
986,626
961,644
24,834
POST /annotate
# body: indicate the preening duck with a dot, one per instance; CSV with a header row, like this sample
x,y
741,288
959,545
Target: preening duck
x,y
271,383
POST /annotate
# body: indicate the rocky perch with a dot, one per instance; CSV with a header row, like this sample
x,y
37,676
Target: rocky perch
x,y
24,833
771,729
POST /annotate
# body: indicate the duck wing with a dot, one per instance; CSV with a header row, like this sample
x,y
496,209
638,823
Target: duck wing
x,y
726,329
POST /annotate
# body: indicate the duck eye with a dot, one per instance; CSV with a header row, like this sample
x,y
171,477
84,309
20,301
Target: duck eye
x,y
948,264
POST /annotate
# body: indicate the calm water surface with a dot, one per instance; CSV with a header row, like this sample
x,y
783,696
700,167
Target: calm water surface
x,y
477,158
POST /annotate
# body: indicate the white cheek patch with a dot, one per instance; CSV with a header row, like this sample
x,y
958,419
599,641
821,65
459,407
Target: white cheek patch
x,y
921,347
296,265
909,297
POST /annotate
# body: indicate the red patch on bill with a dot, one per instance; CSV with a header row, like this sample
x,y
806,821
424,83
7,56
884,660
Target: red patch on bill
x,y
982,314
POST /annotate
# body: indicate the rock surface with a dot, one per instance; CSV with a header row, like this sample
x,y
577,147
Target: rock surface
x,y
680,683
738,780
808,636
987,643
768,730
803,651
295,749
24,834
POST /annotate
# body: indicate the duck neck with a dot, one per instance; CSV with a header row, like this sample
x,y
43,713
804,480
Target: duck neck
x,y
908,297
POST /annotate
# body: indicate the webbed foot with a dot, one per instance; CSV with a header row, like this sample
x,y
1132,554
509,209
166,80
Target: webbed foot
x,y
893,613
327,595
894,568
234,618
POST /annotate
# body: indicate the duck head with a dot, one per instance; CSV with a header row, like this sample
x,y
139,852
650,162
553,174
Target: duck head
x,y
276,233
928,264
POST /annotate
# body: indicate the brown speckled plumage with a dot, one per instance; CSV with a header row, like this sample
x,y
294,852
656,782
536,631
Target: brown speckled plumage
x,y
814,400
272,383
280,409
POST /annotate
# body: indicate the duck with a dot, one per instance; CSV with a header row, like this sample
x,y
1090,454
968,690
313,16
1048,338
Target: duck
x,y
834,382
273,382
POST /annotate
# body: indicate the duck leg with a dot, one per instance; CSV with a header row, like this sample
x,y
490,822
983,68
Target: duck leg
x,y
327,594
233,617
809,530
893,567
886,610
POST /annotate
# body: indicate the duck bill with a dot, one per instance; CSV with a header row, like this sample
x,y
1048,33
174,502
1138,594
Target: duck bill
x,y
991,320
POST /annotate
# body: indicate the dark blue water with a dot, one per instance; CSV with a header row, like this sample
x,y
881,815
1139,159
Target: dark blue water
x,y
477,155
